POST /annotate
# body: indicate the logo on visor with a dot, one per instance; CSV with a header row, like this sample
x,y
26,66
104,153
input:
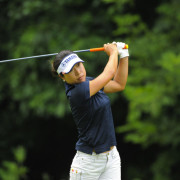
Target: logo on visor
x,y
64,64
67,59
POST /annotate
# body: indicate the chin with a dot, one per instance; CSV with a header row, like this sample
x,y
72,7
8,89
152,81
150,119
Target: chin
x,y
82,80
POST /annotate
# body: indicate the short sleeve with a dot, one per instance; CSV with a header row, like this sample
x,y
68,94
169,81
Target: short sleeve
x,y
80,93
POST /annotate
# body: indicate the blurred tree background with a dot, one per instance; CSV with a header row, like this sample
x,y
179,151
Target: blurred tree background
x,y
37,132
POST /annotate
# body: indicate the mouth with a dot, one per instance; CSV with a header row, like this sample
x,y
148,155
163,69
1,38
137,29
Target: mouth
x,y
81,78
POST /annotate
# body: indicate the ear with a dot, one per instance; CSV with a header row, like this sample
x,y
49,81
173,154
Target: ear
x,y
62,77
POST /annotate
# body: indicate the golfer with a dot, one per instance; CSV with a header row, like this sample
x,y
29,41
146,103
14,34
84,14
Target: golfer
x,y
97,157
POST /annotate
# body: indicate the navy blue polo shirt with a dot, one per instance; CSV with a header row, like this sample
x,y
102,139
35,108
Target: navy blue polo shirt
x,y
93,118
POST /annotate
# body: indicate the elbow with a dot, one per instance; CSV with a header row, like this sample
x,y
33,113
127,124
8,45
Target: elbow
x,y
122,87
119,89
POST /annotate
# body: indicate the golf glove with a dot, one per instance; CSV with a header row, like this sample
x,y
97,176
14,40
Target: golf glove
x,y
122,52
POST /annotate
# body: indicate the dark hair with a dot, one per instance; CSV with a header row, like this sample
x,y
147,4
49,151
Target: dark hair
x,y
58,59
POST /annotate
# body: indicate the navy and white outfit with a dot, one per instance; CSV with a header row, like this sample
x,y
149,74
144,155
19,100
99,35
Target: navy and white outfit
x,y
94,121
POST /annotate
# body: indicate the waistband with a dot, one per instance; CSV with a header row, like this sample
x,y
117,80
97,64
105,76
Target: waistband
x,y
112,149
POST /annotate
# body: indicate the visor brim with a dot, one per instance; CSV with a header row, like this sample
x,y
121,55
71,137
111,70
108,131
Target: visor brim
x,y
71,65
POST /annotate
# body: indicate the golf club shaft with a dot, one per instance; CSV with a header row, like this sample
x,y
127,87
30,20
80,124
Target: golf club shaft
x,y
53,54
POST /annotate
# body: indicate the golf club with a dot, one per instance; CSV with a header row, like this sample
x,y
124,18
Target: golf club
x,y
53,54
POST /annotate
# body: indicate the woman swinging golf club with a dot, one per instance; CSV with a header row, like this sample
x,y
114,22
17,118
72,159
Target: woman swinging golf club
x,y
97,157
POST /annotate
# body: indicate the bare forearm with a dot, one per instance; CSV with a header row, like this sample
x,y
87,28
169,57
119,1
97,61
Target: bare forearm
x,y
122,72
111,66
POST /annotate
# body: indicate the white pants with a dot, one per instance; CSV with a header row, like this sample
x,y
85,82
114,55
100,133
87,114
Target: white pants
x,y
104,166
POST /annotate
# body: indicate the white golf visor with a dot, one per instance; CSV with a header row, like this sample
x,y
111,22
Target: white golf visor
x,y
68,62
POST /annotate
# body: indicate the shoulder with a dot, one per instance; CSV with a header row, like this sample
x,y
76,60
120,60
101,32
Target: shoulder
x,y
89,78
79,93
77,87
82,87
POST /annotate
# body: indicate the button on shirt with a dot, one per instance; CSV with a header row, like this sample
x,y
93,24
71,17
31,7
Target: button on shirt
x,y
93,118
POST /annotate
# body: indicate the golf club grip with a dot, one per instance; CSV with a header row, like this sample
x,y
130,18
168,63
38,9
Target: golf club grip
x,y
102,48
97,49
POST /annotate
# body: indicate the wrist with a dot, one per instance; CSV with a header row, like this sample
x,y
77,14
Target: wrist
x,y
114,53
124,58
124,53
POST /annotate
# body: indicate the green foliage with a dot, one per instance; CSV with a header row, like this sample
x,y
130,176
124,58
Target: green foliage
x,y
163,166
129,25
30,82
14,170
28,91
153,91
149,116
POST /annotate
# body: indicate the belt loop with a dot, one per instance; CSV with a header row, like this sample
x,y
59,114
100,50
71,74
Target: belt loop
x,y
113,152
77,153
